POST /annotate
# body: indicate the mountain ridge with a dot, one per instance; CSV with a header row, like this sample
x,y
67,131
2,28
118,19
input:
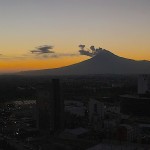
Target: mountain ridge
x,y
105,62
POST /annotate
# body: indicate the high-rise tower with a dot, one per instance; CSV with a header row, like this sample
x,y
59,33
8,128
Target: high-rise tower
x,y
50,106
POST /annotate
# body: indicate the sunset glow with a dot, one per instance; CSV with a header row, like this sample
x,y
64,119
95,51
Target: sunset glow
x,y
116,25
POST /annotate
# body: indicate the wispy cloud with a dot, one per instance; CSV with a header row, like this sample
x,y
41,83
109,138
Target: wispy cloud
x,y
7,57
41,52
67,55
55,55
1,54
46,52
45,49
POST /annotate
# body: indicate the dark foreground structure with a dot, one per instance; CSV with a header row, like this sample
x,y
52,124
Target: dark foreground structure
x,y
50,107
135,105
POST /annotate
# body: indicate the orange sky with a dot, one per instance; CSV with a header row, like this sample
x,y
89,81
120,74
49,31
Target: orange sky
x,y
121,26
19,65
26,61
30,64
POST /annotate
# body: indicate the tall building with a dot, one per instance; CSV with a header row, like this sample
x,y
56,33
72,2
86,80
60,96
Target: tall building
x,y
50,108
58,106
44,111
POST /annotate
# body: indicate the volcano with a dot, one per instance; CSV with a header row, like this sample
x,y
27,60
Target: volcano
x,y
105,62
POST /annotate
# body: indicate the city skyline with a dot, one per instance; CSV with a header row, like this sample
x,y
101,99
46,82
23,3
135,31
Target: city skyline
x,y
119,26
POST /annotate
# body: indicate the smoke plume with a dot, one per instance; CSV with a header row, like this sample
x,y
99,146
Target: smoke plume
x,y
89,52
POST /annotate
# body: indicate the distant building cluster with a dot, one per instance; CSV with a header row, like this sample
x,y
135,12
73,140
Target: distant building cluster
x,y
67,117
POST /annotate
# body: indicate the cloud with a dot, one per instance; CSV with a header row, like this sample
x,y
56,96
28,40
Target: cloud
x,y
45,49
45,52
66,55
41,52
3,57
11,58
55,55
1,54
90,52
